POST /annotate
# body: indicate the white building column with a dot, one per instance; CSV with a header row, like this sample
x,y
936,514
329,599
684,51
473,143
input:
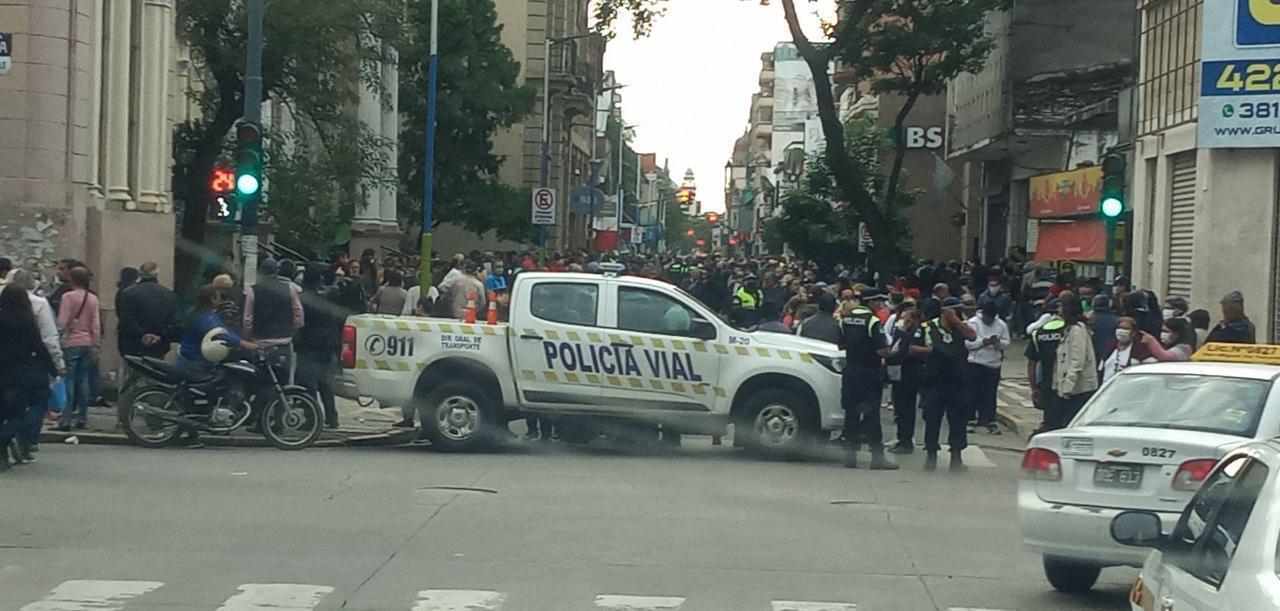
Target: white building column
x,y
149,152
391,132
95,98
118,27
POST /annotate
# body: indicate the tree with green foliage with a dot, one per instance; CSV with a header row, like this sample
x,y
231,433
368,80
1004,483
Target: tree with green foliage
x,y
812,221
910,47
480,93
313,63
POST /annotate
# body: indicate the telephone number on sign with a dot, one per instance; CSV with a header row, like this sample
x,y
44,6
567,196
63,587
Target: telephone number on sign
x,y
1251,110
1247,77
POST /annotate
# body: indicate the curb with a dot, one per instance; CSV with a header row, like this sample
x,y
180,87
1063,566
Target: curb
x,y
1018,425
362,440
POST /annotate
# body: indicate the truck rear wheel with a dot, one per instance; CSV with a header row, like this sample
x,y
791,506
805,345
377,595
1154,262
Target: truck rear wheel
x,y
775,423
457,416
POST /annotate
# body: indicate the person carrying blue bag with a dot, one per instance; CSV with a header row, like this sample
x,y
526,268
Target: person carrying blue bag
x,y
25,369
29,434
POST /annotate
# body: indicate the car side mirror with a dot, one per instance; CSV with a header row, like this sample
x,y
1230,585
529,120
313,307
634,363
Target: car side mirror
x,y
1137,528
702,329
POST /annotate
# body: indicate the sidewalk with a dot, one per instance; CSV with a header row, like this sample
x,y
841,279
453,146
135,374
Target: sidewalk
x,y
357,426
1014,407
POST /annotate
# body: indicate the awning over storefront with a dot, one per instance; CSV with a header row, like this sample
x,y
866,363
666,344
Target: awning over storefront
x,y
1065,193
1072,241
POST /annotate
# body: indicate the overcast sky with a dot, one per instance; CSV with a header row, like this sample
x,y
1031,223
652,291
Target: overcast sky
x,y
689,84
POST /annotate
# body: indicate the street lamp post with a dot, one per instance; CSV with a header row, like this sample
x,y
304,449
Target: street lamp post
x,y
429,172
252,114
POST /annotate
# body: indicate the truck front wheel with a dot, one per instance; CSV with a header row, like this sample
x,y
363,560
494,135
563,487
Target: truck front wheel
x,y
456,416
775,423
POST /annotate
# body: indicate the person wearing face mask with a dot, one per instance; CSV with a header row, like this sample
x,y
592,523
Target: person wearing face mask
x,y
1124,350
906,372
1174,307
1177,341
996,294
986,355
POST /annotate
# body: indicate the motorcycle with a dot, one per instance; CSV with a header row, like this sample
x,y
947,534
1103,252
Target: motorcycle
x,y
233,394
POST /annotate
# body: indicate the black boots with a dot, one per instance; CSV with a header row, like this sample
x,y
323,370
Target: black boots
x,y
957,465
931,461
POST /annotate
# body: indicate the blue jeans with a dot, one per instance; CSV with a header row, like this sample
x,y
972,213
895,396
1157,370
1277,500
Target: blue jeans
x,y
32,418
79,359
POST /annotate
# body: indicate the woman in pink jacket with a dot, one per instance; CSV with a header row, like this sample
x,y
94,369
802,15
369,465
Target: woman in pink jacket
x,y
81,336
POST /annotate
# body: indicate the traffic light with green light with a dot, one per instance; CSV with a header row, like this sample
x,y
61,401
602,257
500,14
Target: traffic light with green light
x,y
248,162
1112,203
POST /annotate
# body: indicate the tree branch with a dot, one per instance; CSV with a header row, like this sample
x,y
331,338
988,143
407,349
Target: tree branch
x,y
847,174
848,16
900,147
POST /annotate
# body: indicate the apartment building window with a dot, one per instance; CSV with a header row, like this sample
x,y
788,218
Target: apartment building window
x,y
766,115
1169,81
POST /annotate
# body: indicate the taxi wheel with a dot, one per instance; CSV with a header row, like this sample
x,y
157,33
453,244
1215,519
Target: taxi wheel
x,y
457,417
776,423
1071,576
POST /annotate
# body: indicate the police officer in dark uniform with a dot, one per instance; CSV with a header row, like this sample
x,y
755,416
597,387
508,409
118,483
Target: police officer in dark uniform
x,y
1042,357
942,394
906,372
865,346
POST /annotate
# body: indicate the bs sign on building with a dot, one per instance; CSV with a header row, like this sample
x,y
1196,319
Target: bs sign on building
x,y
1240,79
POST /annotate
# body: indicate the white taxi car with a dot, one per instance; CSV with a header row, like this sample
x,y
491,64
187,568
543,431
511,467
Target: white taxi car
x,y
1222,553
1145,441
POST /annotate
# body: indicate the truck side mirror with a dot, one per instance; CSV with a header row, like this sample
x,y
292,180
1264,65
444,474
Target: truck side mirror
x,y
1137,528
702,329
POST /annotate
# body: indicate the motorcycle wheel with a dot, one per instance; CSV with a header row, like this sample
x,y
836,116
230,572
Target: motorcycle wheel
x,y
144,429
294,423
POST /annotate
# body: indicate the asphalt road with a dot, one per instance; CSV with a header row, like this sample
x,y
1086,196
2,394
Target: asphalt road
x,y
537,527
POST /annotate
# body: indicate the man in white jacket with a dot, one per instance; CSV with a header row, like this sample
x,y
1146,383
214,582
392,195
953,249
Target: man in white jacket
x,y
986,355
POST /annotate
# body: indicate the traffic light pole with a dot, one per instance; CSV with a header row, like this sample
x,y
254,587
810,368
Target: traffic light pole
x,y
429,172
1110,271
253,114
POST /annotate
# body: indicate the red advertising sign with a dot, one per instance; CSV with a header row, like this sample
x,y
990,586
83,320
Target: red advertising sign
x,y
1066,193
1072,241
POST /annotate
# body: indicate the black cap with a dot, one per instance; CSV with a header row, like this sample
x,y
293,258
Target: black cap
x,y
871,293
952,303
471,267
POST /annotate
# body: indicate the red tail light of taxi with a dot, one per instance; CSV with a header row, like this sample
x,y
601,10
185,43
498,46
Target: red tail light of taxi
x,y
1192,473
348,347
1042,464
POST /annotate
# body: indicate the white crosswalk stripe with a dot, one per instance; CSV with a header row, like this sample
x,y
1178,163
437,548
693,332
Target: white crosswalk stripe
x,y
118,595
622,602
459,600
92,595
798,605
256,596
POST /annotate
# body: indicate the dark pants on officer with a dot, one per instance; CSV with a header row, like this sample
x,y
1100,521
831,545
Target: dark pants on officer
x,y
983,383
860,398
905,396
944,398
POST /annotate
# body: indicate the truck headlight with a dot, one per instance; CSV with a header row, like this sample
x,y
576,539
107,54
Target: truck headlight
x,y
834,365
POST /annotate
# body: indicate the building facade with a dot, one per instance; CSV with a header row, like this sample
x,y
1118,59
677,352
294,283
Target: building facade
x,y
86,128
576,61
1205,219
1045,101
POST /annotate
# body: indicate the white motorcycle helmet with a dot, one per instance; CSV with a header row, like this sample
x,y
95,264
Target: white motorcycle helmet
x,y
215,347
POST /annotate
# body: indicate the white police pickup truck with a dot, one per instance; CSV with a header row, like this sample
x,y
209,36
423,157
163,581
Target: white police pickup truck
x,y
587,349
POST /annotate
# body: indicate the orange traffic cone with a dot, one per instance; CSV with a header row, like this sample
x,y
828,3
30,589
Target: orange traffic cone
x,y
492,317
469,315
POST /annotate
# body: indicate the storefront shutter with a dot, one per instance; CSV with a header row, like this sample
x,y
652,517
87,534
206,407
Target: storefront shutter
x,y
1182,226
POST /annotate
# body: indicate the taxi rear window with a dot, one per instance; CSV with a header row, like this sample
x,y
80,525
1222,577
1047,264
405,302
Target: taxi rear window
x,y
1214,404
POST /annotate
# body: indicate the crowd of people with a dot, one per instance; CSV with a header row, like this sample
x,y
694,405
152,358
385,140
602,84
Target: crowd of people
x,y
934,335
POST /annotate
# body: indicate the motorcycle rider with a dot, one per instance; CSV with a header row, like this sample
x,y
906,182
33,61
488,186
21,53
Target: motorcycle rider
x,y
192,348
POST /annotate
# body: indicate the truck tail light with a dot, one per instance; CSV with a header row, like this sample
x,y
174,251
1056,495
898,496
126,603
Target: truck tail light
x,y
1042,464
1192,473
348,347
